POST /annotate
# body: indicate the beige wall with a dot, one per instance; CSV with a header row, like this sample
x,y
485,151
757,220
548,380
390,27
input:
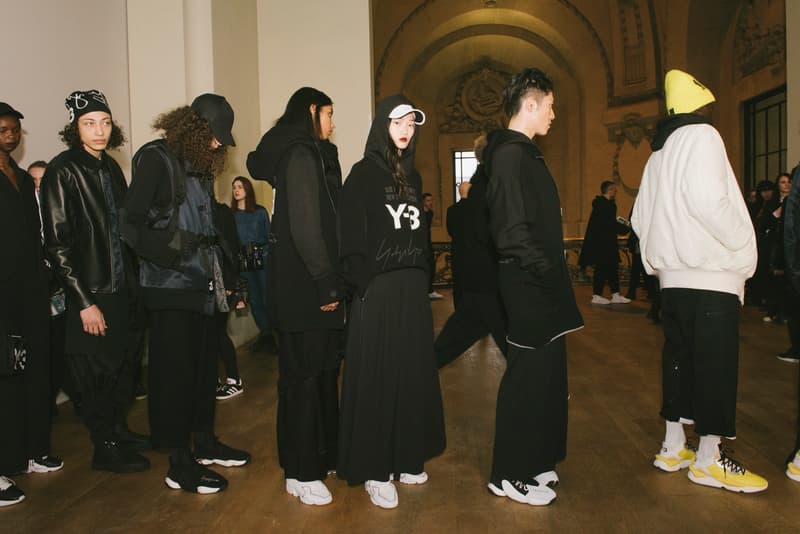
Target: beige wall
x,y
325,45
54,48
793,82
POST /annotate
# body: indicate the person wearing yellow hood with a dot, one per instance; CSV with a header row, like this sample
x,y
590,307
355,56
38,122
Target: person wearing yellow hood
x,y
696,236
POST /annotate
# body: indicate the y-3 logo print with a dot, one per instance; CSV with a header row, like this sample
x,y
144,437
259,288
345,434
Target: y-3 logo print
x,y
406,211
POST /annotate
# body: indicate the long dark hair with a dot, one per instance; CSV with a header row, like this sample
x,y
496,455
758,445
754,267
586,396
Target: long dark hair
x,y
249,195
392,155
296,112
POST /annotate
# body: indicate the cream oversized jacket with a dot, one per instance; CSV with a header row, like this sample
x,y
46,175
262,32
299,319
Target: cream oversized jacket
x,y
693,226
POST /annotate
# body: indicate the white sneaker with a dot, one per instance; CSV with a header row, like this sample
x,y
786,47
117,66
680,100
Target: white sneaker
x,y
616,298
433,295
314,492
599,299
527,493
408,478
382,494
548,478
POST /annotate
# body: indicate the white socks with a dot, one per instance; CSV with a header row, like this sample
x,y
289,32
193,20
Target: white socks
x,y
708,450
675,438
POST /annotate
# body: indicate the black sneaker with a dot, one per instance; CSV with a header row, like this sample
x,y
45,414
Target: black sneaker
x,y
213,451
531,493
45,464
110,456
789,356
195,478
129,440
9,492
140,393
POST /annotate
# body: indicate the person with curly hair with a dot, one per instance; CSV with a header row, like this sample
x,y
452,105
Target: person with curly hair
x,y
81,194
170,221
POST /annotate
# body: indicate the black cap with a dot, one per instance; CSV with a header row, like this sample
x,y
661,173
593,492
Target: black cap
x,y
219,114
79,103
5,109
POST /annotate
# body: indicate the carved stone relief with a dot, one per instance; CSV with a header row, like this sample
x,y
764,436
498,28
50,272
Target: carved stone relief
x,y
758,42
630,132
478,103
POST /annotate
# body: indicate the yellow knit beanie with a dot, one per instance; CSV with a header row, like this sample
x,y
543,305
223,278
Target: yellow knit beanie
x,y
684,93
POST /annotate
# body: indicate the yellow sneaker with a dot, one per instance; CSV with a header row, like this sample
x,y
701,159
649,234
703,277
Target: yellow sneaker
x,y
669,462
793,472
728,474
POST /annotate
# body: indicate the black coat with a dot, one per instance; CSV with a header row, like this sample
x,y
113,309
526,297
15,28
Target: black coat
x,y
303,250
525,223
474,254
600,242
76,224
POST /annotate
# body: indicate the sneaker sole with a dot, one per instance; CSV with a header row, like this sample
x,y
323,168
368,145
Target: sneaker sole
x,y
789,360
232,395
793,476
495,490
223,463
45,469
712,482
541,501
9,503
313,501
664,466
202,490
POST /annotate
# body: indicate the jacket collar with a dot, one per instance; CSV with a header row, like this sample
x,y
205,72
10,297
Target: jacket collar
x,y
87,160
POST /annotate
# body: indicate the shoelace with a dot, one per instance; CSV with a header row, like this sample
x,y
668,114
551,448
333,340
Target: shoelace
x,y
5,483
729,464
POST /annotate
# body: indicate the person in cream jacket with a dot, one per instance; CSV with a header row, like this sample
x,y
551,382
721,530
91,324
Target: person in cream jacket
x,y
696,236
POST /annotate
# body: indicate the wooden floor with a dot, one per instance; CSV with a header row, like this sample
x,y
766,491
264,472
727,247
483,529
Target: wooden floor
x,y
607,482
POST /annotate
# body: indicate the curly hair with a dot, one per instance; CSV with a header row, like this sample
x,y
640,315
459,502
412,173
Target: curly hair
x,y
189,136
72,138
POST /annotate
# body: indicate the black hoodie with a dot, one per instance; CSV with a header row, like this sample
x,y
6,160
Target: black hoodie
x,y
303,248
525,223
378,230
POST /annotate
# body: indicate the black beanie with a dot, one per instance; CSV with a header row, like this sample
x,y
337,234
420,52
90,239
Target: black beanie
x,y
82,102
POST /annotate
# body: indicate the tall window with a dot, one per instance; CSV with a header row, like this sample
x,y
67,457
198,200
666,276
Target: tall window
x,y
765,136
464,165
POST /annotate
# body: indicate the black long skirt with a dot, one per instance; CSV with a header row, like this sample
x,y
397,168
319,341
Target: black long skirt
x,y
391,411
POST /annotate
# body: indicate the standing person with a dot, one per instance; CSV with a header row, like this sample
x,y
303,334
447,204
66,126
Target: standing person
x,y
305,288
232,387
82,193
58,374
392,419
791,242
600,245
478,308
252,225
696,236
169,221
427,210
525,223
771,249
24,398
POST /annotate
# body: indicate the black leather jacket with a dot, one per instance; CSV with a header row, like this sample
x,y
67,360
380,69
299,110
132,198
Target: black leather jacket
x,y
76,225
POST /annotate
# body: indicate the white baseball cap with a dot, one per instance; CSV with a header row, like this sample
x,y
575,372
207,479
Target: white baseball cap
x,y
404,109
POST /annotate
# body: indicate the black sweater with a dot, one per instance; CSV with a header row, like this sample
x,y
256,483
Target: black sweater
x,y
379,230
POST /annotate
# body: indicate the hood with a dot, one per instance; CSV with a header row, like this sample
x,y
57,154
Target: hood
x,y
264,162
600,200
505,136
378,137
669,124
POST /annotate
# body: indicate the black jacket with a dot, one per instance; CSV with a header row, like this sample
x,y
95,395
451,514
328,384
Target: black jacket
x,y
380,229
303,241
525,223
791,231
600,242
474,254
77,227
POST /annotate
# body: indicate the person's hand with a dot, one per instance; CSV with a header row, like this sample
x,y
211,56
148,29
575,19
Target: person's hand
x,y
93,321
329,307
241,304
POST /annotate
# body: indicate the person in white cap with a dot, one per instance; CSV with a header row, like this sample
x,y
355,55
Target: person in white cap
x,y
696,236
392,420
